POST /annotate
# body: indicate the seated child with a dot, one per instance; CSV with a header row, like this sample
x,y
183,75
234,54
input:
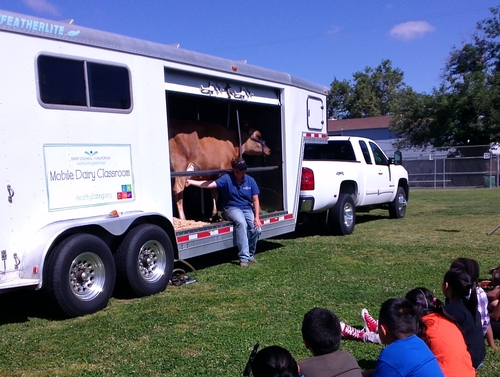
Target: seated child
x,y
274,361
461,303
440,332
321,335
436,328
493,295
406,354
472,268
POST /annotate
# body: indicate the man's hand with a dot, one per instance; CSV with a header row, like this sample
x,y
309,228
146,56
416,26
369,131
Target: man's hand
x,y
257,223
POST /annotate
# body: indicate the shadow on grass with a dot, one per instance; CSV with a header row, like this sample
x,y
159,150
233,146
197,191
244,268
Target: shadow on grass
x,y
19,306
366,364
225,256
315,226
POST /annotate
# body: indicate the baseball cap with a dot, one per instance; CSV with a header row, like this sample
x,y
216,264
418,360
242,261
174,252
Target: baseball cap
x,y
241,164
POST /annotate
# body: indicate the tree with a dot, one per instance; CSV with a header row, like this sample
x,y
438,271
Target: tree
x,y
374,92
465,108
338,96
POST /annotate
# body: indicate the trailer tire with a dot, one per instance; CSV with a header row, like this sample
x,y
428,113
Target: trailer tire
x,y
397,208
145,260
80,274
342,216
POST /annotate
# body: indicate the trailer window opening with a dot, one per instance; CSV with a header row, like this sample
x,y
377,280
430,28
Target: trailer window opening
x,y
61,81
66,82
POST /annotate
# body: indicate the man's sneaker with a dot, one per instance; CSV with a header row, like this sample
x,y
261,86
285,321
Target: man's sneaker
x,y
351,333
371,324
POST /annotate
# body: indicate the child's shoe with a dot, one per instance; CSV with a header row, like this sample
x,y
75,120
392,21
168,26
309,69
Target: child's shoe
x,y
371,324
351,333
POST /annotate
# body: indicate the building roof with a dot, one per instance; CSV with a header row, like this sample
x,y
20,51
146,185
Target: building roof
x,y
358,123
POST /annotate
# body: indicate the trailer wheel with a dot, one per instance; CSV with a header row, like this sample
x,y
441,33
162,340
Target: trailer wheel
x,y
80,274
397,208
342,216
145,260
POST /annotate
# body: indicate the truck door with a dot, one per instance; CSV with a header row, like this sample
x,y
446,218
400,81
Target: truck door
x,y
379,187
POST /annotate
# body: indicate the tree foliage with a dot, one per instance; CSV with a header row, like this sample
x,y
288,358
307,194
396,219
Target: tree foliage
x,y
465,109
373,92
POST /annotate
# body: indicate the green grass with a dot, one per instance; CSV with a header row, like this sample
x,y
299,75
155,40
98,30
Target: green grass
x,y
209,328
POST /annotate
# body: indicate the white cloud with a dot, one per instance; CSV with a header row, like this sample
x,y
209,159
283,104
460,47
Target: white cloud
x,y
42,6
334,30
411,30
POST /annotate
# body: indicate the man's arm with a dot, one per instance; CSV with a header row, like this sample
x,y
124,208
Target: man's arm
x,y
256,211
201,184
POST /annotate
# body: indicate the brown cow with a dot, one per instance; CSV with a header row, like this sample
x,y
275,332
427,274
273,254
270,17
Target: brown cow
x,y
205,146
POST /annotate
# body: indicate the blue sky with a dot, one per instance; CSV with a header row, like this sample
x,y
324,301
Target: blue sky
x,y
317,40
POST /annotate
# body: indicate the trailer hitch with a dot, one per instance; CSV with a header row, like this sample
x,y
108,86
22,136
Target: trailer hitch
x,y
11,193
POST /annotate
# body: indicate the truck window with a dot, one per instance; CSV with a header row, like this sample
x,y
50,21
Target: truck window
x,y
378,155
66,82
366,152
338,150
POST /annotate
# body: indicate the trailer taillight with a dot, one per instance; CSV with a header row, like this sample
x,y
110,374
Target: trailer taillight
x,y
307,181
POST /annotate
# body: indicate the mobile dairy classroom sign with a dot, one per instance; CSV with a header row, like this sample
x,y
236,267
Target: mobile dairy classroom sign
x,y
87,175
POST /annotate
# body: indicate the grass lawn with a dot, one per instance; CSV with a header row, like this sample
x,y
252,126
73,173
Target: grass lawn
x,y
209,328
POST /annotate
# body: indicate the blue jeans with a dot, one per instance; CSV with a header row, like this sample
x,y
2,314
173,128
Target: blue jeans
x,y
244,230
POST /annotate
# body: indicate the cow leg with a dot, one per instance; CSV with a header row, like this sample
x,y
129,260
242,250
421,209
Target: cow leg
x,y
179,184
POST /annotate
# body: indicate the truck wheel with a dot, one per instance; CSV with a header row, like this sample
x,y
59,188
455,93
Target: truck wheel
x,y
342,216
145,260
80,274
397,208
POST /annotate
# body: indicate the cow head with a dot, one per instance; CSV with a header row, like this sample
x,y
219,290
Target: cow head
x,y
254,145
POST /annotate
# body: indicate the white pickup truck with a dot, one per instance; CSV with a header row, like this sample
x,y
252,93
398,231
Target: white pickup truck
x,y
350,174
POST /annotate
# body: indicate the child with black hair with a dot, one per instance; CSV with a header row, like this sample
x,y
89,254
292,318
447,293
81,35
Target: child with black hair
x,y
493,307
461,303
435,327
321,335
406,354
440,332
274,361
472,268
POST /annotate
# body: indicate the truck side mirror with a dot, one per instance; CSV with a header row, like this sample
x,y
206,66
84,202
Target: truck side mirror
x,y
398,158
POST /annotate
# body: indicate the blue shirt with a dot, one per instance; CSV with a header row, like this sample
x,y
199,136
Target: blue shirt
x,y
409,357
234,194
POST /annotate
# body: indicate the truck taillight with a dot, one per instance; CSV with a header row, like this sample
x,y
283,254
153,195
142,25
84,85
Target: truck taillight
x,y
307,181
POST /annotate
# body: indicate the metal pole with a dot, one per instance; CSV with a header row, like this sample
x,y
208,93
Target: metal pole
x,y
239,129
435,173
496,228
444,172
489,178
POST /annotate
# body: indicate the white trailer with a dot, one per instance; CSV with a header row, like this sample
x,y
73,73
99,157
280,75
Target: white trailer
x,y
85,180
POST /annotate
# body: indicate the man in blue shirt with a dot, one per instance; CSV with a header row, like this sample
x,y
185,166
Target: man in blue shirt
x,y
239,196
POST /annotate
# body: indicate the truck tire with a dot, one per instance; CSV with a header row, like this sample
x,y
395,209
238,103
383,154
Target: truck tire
x,y
80,274
342,216
145,260
397,208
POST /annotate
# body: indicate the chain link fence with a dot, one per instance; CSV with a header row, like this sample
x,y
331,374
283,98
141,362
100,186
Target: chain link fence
x,y
469,166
